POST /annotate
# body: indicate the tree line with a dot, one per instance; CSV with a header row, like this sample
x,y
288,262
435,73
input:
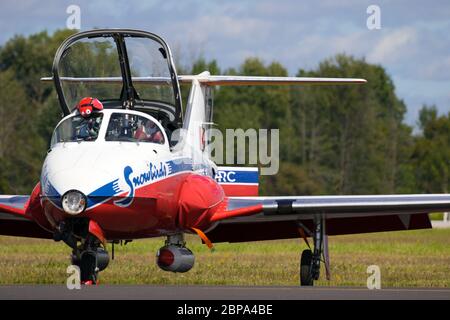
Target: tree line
x,y
347,139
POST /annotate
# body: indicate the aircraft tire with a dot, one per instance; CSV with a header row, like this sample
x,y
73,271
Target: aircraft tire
x,y
306,278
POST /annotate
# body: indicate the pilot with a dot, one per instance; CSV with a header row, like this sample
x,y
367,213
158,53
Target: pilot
x,y
149,132
87,108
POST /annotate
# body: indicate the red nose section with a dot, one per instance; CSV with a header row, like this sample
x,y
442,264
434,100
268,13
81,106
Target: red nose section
x,y
165,258
199,198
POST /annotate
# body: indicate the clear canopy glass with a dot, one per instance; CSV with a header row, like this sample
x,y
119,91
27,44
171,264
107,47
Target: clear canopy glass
x,y
120,69
77,129
133,128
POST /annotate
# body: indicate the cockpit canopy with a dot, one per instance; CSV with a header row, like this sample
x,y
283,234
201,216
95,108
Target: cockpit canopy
x,y
124,69
118,126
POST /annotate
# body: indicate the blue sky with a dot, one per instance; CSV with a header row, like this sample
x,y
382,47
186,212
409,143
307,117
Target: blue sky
x,y
413,43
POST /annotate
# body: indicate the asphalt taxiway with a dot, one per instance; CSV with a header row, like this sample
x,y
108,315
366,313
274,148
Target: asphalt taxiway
x,y
153,292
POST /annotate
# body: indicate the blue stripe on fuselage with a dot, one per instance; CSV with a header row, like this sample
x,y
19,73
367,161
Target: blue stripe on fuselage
x,y
155,172
103,193
236,176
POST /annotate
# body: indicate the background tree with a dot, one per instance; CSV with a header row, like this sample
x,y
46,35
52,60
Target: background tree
x,y
28,109
432,151
333,139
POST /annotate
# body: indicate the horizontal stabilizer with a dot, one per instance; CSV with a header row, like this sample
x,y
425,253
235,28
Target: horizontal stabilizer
x,y
263,81
218,80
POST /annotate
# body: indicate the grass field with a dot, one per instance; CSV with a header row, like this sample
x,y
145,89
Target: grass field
x,y
406,259
436,216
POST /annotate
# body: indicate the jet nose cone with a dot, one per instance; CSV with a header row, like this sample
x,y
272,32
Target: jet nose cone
x,y
72,166
81,179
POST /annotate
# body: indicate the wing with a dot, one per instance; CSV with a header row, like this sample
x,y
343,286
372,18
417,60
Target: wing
x,y
266,218
15,222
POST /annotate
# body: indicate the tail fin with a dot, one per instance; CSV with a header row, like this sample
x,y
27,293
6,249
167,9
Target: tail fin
x,y
198,117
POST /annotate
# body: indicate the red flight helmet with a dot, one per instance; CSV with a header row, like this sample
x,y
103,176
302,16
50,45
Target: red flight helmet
x,y
88,105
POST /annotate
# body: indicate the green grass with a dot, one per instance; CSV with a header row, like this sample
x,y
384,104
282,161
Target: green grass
x,y
406,259
436,216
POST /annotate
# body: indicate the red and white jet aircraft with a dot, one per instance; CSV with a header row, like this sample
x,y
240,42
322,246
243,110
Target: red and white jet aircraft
x,y
133,165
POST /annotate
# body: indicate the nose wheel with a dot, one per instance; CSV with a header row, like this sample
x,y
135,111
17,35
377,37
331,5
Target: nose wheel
x,y
90,256
91,261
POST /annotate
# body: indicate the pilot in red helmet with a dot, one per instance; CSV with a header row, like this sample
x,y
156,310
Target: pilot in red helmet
x,y
88,105
89,127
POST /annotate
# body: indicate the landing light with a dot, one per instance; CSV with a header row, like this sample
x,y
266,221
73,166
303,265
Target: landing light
x,y
74,202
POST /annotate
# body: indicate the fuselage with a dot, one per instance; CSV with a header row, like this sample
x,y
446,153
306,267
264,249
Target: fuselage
x,y
133,188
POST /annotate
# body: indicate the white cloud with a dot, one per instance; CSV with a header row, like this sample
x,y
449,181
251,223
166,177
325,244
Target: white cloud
x,y
395,45
413,44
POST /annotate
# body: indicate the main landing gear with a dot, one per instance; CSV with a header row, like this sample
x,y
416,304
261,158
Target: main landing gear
x,y
310,259
90,255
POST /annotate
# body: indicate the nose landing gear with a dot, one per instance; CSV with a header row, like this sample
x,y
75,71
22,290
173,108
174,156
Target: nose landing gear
x,y
90,255
91,258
